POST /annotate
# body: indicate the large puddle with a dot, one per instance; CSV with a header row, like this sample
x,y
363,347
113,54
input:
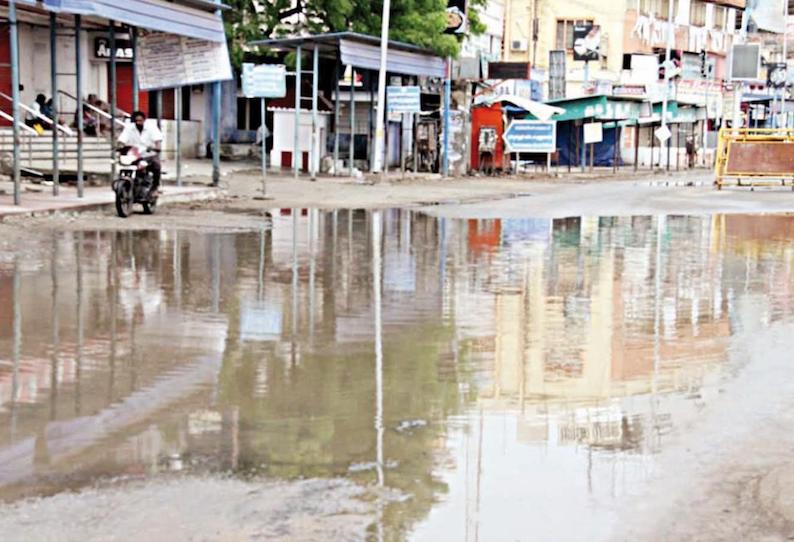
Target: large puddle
x,y
497,377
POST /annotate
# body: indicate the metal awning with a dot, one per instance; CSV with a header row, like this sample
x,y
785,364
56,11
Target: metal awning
x,y
364,55
192,18
363,52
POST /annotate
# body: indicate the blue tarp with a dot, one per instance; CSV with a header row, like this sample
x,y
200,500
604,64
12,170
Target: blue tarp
x,y
603,153
161,15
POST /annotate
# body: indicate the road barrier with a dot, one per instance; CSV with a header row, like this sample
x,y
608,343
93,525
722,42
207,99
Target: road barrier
x,y
755,157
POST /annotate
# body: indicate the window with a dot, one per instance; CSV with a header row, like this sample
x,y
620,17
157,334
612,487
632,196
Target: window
x,y
720,13
565,31
697,13
658,8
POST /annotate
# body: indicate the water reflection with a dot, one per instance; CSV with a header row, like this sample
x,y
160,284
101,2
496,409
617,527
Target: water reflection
x,y
495,374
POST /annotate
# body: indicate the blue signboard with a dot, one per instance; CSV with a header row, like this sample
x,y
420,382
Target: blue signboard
x,y
264,80
403,99
531,136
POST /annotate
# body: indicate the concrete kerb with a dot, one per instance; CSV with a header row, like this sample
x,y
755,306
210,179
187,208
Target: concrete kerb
x,y
170,196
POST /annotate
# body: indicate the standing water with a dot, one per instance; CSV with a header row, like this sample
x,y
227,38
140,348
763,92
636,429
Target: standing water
x,y
481,380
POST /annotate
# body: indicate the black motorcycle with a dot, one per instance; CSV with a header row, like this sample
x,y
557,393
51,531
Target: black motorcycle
x,y
134,184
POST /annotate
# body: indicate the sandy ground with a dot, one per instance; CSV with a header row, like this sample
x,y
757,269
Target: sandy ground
x,y
195,509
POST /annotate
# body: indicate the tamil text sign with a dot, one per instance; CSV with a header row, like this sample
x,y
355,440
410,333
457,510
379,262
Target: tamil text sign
x,y
531,136
264,80
403,99
168,60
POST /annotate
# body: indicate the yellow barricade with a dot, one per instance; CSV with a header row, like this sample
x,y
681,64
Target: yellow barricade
x,y
755,157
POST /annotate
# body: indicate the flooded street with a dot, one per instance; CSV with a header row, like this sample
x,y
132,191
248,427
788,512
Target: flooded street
x,y
382,375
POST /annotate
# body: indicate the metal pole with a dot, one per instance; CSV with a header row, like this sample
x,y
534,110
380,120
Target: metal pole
x,y
112,92
178,114
670,37
336,114
384,48
402,146
135,90
216,124
352,149
315,147
79,93
56,174
416,145
159,104
14,37
583,149
296,135
447,100
636,145
264,148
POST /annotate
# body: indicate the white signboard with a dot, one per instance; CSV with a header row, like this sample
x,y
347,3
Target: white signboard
x,y
264,80
593,133
167,61
663,133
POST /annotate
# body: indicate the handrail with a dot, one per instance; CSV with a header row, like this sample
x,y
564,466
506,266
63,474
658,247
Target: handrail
x,y
22,125
96,109
65,129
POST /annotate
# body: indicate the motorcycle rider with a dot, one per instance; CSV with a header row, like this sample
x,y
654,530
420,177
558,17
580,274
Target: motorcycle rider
x,y
147,139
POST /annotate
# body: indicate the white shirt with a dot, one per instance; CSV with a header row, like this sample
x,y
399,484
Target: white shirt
x,y
148,137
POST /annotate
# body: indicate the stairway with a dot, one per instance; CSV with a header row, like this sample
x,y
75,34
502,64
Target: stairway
x,y
36,155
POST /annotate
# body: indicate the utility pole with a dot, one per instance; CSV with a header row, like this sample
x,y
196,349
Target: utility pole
x,y
384,47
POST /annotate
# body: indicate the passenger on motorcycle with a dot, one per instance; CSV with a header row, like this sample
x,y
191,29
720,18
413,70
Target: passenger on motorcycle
x,y
147,139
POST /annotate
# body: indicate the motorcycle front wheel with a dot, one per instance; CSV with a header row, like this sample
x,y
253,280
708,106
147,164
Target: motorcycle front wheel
x,y
124,200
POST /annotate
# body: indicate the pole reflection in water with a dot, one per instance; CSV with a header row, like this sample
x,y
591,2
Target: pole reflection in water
x,y
294,330
260,284
378,308
16,293
78,256
216,273
312,266
56,339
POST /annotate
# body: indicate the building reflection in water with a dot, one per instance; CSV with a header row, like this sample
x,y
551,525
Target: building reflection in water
x,y
466,364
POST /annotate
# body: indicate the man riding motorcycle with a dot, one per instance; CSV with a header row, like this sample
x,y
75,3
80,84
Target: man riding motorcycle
x,y
147,139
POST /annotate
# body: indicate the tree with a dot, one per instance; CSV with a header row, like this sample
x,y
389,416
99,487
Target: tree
x,y
419,22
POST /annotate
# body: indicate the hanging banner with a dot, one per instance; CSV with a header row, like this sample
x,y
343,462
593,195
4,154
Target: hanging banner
x,y
168,61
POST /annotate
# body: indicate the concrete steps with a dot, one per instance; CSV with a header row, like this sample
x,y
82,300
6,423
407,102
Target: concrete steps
x,y
36,154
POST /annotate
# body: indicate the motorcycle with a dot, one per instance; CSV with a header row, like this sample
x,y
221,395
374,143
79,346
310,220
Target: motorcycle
x,y
134,184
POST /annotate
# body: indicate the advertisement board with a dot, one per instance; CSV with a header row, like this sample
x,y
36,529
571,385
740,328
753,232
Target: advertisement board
x,y
169,61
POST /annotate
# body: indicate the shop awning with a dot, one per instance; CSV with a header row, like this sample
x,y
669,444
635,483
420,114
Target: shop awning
x,y
367,56
192,18
600,107
363,52
538,110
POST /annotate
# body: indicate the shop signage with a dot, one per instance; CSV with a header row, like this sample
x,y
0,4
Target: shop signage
x,y
630,91
124,50
593,132
531,136
509,70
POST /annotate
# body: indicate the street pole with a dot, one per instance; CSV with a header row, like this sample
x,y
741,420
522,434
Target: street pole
x,y
178,108
14,37
112,92
315,146
583,150
297,122
447,100
785,61
56,176
216,124
264,149
135,90
384,48
670,36
79,94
